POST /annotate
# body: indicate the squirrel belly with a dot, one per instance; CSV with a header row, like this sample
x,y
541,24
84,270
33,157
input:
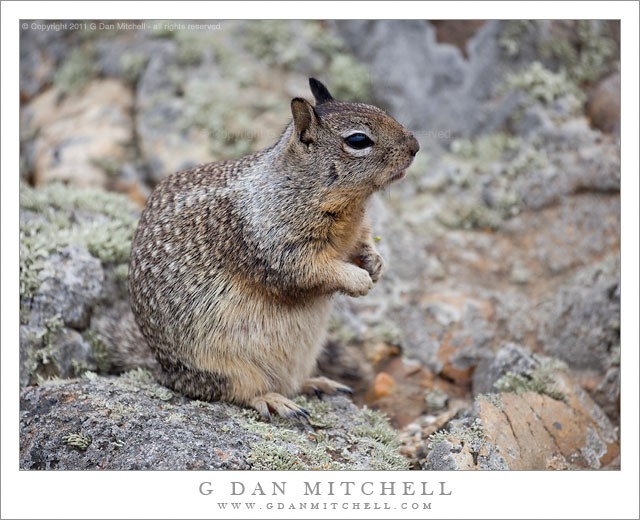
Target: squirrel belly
x,y
234,264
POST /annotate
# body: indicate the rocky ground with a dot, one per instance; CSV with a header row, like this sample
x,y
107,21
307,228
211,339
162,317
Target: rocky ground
x,y
493,342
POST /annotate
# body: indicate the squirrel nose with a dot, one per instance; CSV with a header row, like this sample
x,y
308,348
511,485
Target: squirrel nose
x,y
413,144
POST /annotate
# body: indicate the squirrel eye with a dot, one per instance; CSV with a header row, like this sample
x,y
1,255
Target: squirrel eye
x,y
358,141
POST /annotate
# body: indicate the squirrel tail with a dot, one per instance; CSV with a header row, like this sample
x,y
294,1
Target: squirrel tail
x,y
126,348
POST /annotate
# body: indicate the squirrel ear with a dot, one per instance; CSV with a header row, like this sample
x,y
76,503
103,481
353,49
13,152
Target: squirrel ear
x,y
304,118
319,91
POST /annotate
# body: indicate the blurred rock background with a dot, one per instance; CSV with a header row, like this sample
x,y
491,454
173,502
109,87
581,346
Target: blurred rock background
x,y
501,305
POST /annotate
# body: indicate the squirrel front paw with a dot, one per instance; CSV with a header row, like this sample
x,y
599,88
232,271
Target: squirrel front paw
x,y
372,262
357,282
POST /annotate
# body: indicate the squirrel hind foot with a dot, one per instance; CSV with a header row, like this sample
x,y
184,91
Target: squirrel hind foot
x,y
273,402
323,385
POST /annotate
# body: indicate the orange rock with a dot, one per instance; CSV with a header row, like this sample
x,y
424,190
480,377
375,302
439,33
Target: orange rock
x,y
383,385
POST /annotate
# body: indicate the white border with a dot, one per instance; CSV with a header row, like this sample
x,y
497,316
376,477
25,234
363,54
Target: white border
x,y
175,494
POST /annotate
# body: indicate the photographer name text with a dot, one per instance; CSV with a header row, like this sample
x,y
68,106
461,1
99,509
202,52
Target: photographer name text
x,y
344,488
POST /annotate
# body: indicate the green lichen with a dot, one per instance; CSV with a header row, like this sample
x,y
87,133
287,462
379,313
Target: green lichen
x,y
99,350
121,272
110,165
322,39
77,70
588,56
138,376
488,164
375,426
540,380
512,34
460,431
163,29
283,448
213,107
486,148
541,84
349,79
77,440
160,392
117,410
41,363
132,65
494,399
387,332
436,399
191,47
273,42
107,233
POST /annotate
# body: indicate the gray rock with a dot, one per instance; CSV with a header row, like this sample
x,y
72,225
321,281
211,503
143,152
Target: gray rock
x,y
583,321
440,457
71,284
40,53
510,358
458,90
132,423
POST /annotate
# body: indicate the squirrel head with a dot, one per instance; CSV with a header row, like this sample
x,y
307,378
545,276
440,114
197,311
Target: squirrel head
x,y
352,149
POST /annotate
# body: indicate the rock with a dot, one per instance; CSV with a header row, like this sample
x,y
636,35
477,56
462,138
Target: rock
x,y
582,325
603,106
40,52
458,89
528,431
70,285
96,423
74,245
607,393
510,358
80,137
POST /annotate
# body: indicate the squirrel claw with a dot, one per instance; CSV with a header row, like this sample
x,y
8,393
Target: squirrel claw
x,y
284,407
324,385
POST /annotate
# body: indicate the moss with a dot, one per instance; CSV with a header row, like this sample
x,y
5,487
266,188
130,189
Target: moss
x,y
77,70
77,440
107,238
540,379
132,65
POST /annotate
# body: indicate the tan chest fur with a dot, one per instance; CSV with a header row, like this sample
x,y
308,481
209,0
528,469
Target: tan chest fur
x,y
264,345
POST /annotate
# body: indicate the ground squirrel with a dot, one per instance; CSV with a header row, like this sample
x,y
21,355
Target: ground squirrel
x,y
234,264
